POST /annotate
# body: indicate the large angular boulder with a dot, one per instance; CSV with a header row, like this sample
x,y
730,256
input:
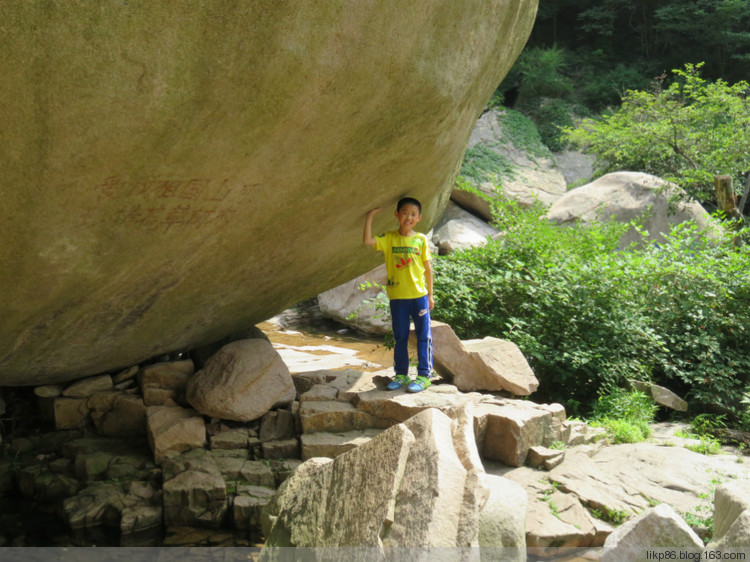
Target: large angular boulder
x,y
487,364
173,172
732,513
657,527
416,485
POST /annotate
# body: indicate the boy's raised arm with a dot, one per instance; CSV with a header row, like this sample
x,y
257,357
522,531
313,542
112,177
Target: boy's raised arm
x,y
367,237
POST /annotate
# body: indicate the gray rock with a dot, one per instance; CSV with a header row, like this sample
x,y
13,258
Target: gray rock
x,y
129,509
507,432
117,414
241,382
46,391
281,449
576,167
429,503
488,364
331,445
95,505
534,178
502,521
410,485
350,303
624,196
737,536
194,491
69,413
256,473
230,439
164,383
476,490
542,457
335,416
277,425
248,505
661,395
657,527
668,399
88,386
730,501
42,484
652,473
477,205
320,392
459,230
174,430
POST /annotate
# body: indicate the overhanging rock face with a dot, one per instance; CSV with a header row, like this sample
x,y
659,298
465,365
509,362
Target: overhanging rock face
x,y
173,172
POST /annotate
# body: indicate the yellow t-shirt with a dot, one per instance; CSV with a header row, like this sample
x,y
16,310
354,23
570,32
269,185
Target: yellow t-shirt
x,y
405,257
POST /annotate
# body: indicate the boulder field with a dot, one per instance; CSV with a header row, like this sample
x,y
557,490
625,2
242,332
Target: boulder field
x,y
174,173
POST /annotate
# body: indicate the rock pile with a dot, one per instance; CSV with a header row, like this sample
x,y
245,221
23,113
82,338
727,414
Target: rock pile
x,y
137,451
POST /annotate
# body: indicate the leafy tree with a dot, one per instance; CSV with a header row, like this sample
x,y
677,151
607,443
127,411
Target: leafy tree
x,y
686,133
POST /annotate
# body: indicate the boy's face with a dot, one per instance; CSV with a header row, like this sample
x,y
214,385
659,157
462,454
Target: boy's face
x,y
408,216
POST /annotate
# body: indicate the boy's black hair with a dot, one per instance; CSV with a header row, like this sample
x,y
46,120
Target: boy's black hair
x,y
409,201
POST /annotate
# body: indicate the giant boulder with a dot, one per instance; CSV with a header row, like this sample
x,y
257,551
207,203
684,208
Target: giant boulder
x,y
175,172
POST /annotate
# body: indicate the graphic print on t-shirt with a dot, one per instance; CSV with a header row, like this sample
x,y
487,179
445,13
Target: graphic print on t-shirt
x,y
404,258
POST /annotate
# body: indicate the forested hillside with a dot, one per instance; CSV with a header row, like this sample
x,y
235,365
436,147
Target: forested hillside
x,y
602,47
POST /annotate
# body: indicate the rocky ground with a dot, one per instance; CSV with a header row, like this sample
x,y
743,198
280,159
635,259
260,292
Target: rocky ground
x,y
77,485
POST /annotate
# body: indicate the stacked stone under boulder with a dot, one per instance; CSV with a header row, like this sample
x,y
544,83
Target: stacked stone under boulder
x,y
194,478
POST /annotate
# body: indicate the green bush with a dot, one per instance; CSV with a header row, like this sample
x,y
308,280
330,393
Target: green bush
x,y
481,163
589,317
551,118
633,406
625,415
687,132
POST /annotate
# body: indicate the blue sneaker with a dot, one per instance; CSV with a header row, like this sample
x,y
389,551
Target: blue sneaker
x,y
398,382
420,384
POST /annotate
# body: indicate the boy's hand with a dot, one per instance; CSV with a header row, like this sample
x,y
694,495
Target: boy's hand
x,y
367,237
431,301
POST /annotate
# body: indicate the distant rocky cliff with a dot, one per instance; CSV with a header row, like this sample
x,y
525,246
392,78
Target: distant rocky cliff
x,y
172,173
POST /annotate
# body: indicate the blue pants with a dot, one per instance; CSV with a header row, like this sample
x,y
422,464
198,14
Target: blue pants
x,y
419,311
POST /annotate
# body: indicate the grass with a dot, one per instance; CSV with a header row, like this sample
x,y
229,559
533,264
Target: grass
x,y
623,431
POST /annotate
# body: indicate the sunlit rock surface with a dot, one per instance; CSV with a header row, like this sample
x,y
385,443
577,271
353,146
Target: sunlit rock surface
x,y
174,172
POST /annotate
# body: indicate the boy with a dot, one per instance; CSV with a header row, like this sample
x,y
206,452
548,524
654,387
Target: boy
x,y
407,259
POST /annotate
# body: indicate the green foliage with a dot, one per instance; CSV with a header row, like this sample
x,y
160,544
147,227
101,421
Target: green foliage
x,y
623,431
484,162
614,516
481,163
625,415
522,133
633,406
542,74
707,446
589,317
706,424
652,35
686,133
552,118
